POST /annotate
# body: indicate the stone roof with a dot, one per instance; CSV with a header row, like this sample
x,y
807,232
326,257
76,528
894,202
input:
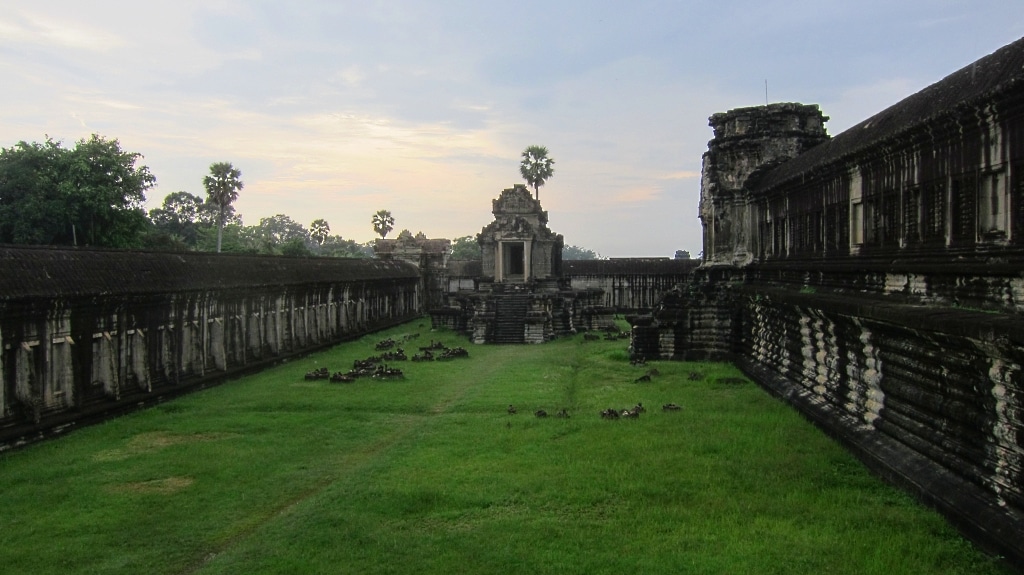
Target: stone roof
x,y
995,73
628,266
30,271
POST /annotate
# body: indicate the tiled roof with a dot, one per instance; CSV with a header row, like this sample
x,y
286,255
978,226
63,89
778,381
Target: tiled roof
x,y
47,271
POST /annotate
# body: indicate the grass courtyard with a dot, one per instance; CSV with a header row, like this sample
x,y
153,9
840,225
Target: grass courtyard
x,y
431,474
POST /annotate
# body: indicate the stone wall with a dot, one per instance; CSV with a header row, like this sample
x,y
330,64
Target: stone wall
x,y
430,255
84,333
874,281
630,284
747,142
932,401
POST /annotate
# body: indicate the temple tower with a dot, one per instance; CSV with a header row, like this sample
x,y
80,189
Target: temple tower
x,y
747,142
517,247
521,296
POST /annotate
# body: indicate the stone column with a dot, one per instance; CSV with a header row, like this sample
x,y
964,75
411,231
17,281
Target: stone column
x,y
527,260
499,261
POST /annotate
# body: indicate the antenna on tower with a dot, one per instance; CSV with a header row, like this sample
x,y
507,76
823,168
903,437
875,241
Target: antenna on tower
x,y
766,92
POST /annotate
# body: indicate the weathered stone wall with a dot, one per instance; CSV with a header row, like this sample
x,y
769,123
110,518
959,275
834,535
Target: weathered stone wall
x,y
430,255
930,395
86,332
931,400
462,275
747,142
874,281
629,284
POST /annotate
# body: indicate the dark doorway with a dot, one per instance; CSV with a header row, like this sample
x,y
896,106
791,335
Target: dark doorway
x,y
514,257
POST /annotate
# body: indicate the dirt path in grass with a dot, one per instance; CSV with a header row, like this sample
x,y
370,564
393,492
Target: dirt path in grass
x,y
356,461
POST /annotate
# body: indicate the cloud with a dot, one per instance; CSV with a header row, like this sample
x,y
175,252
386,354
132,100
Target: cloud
x,y
682,175
24,27
638,194
352,76
338,109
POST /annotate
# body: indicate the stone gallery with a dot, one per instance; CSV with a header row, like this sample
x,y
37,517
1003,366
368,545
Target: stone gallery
x,y
874,280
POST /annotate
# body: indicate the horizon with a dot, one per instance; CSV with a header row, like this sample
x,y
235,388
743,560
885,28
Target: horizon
x,y
336,111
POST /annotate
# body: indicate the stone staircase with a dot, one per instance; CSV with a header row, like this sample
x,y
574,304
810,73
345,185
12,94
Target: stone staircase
x,y
510,318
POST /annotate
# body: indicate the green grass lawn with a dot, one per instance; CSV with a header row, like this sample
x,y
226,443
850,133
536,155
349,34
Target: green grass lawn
x,y
430,474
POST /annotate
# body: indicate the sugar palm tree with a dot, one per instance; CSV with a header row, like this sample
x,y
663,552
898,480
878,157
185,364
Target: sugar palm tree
x,y
222,186
383,223
536,167
319,230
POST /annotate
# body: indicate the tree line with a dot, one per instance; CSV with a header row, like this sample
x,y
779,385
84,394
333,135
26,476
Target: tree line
x,y
93,194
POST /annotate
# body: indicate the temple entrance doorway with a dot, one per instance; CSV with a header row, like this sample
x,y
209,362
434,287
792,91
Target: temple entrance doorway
x,y
514,260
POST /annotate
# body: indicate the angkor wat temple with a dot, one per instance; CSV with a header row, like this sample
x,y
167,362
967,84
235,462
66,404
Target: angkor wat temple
x,y
874,280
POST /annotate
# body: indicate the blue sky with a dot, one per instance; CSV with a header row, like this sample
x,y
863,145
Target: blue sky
x,y
338,109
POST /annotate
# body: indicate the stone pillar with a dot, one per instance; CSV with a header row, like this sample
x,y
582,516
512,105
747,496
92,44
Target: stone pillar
x,y
527,263
499,262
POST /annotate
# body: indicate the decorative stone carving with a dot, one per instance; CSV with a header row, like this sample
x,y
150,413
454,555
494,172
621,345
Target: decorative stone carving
x,y
521,296
517,247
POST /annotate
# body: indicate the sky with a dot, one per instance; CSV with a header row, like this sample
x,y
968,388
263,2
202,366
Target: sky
x,y
337,109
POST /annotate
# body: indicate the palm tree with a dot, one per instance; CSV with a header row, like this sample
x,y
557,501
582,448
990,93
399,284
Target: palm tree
x,y
222,187
318,230
383,223
536,167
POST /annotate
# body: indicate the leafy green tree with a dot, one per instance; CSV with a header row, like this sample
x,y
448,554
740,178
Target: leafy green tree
x,y
276,231
536,167
158,240
91,194
295,247
319,230
31,208
578,253
209,214
383,223
178,217
682,255
235,238
337,247
466,248
222,186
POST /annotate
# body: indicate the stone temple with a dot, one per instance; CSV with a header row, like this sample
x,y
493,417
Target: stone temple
x,y
874,280
521,295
